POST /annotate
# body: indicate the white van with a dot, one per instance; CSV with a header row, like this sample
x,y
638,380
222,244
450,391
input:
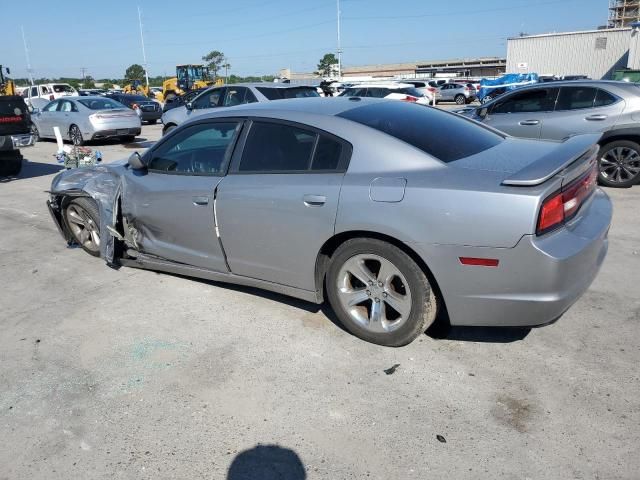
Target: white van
x,y
39,95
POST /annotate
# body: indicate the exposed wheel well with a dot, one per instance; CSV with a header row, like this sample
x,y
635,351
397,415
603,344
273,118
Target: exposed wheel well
x,y
330,246
167,126
617,138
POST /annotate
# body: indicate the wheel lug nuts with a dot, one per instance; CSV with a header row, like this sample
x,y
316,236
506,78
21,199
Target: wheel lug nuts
x,y
377,300
385,294
379,284
370,283
369,293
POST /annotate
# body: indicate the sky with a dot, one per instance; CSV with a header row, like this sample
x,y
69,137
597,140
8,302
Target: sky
x,y
259,37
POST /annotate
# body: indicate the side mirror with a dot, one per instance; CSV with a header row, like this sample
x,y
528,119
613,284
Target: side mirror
x,y
482,112
33,110
135,161
189,105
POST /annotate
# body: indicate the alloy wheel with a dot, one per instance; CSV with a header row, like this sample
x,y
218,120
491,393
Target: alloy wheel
x,y
620,164
84,228
374,293
75,135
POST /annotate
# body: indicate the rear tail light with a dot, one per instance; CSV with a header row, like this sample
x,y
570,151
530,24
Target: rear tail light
x,y
410,98
134,106
562,206
51,97
432,90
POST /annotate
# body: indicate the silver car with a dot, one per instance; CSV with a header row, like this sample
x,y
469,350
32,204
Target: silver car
x,y
459,93
231,96
559,109
81,119
370,204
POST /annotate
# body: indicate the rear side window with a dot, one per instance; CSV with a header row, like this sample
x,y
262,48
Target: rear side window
x,y
535,100
282,148
576,98
377,92
273,147
604,98
445,136
282,93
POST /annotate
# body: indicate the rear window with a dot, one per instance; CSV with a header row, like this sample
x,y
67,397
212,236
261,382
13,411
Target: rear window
x,y
101,104
12,105
410,91
282,93
445,136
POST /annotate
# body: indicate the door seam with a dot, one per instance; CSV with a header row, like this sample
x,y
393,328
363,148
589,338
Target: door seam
x,y
217,227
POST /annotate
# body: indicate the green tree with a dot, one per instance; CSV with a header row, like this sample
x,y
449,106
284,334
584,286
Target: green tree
x,y
214,60
326,65
88,82
134,72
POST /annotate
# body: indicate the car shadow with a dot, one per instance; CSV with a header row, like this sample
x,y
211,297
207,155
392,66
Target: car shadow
x,y
267,462
32,170
483,334
139,142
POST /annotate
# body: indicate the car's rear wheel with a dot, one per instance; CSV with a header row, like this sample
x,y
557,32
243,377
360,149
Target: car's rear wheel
x,y
82,217
10,163
460,99
619,164
153,122
379,293
75,135
128,138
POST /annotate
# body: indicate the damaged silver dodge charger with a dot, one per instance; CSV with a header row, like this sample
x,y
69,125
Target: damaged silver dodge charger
x,y
394,212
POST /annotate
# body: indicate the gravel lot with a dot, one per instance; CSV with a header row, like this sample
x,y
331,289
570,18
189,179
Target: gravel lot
x,y
110,374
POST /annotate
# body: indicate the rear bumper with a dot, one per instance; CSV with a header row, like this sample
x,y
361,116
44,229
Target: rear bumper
x,y
120,132
16,141
146,116
535,282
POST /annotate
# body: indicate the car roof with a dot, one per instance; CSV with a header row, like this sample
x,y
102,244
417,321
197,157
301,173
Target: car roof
x,y
582,83
268,85
383,85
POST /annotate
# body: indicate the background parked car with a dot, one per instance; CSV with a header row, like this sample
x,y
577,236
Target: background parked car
x,y
86,118
232,95
392,91
38,96
457,92
182,99
426,89
148,110
557,110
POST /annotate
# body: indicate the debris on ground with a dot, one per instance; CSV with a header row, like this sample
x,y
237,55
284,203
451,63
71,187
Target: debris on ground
x,y
441,439
392,370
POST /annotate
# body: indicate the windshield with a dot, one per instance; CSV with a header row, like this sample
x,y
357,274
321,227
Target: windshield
x,y
62,88
101,104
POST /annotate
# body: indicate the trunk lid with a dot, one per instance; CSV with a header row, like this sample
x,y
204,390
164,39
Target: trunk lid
x,y
14,116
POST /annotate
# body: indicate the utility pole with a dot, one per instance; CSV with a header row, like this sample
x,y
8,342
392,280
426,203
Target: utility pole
x,y
83,71
26,54
339,45
144,54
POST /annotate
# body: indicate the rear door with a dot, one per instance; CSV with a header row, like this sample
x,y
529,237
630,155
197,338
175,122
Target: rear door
x,y
523,113
171,205
278,204
582,109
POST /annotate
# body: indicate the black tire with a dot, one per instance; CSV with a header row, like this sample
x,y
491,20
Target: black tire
x,y
10,164
423,302
619,164
153,122
75,135
88,210
128,138
460,99
168,128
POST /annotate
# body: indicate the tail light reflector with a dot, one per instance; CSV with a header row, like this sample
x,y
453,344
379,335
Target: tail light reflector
x,y
479,262
562,206
410,98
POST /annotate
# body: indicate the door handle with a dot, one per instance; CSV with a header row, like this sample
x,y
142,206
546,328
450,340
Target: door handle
x,y
596,118
200,200
314,200
526,123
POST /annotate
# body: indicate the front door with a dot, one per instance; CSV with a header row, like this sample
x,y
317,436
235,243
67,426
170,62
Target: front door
x,y
522,114
278,204
205,103
47,119
171,205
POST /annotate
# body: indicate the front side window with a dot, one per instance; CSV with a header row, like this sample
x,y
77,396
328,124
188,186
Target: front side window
x,y
378,92
575,98
535,100
197,150
209,99
34,91
354,92
51,107
67,106
235,96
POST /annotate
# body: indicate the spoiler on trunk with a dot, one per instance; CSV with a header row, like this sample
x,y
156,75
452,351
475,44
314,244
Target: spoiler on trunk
x,y
568,151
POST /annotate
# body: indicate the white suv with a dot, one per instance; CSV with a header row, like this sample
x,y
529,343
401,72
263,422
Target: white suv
x,y
393,91
38,96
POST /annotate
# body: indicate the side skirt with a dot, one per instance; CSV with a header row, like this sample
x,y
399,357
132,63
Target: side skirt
x,y
153,263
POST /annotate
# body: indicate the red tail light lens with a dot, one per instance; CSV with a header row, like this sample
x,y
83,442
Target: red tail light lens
x,y
432,90
134,106
564,205
410,98
51,97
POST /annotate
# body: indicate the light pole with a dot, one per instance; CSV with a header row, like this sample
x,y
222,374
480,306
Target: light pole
x,y
339,45
144,54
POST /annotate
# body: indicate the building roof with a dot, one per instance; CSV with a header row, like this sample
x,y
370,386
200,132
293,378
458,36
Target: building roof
x,y
579,32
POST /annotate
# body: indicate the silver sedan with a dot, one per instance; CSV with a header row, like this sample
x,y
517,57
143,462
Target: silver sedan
x,y
396,213
81,119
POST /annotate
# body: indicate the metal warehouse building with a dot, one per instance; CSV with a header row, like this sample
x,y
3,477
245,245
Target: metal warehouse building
x,y
595,53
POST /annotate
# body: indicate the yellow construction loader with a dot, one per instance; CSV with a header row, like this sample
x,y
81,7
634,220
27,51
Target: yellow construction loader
x,y
7,87
136,87
188,77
